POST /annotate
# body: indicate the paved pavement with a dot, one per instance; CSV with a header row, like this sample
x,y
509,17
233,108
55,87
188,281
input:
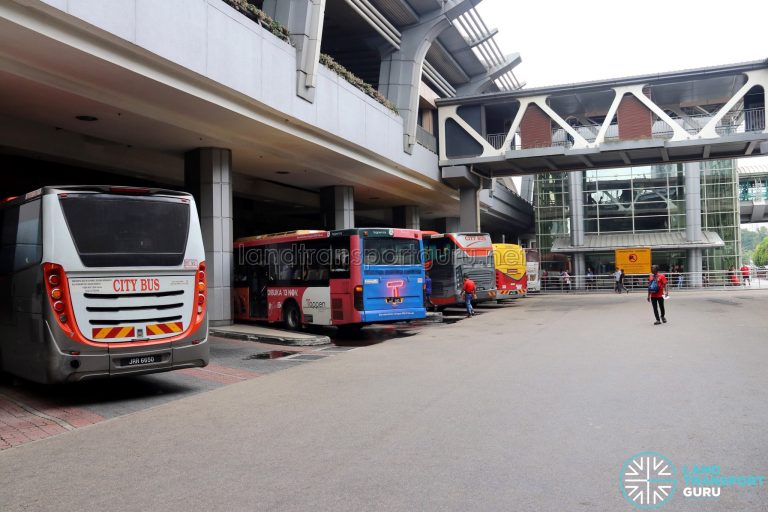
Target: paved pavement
x,y
535,406
270,334
29,412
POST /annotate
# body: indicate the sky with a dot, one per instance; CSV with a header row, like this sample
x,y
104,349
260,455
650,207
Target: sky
x,y
563,42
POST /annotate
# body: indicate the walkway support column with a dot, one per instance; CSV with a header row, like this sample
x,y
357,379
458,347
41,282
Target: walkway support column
x,y
469,210
406,217
693,232
400,73
462,178
449,225
338,203
576,198
304,20
207,175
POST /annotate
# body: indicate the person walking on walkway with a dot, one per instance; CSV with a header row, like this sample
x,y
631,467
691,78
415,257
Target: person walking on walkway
x,y
428,292
622,287
616,278
469,293
745,274
657,290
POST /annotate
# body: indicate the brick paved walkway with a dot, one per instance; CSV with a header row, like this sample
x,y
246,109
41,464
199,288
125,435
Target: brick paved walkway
x,y
24,418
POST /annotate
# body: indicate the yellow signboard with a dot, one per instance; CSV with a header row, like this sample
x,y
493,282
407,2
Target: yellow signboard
x,y
634,261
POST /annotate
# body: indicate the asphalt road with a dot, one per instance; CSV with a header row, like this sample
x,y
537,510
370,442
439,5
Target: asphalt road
x,y
534,407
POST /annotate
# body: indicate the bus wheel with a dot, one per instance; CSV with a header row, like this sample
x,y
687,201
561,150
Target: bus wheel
x,y
291,316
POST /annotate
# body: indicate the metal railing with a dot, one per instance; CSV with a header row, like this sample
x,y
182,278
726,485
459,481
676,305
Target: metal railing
x,y
496,139
676,281
753,193
736,121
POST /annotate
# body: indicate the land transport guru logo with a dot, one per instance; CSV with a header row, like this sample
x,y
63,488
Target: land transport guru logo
x,y
648,480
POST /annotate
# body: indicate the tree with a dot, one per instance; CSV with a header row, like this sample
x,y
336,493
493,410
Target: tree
x,y
760,256
749,241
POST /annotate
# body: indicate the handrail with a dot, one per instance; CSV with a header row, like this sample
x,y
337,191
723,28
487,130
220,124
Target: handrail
x,y
677,281
736,121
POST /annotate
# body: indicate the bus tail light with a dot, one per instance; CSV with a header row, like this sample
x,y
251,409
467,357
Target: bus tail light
x,y
358,298
58,295
202,289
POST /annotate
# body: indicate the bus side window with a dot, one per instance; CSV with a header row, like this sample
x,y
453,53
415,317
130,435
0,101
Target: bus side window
x,y
9,221
21,245
340,257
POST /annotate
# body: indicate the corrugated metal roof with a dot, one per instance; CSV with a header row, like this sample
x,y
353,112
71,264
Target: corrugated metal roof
x,y
753,169
664,240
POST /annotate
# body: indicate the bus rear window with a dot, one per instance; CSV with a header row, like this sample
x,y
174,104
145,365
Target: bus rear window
x,y
391,251
117,231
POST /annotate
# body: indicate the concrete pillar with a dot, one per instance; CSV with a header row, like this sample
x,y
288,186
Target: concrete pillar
x,y
469,209
449,225
400,73
338,203
695,261
304,20
207,174
579,270
468,183
576,198
692,172
406,217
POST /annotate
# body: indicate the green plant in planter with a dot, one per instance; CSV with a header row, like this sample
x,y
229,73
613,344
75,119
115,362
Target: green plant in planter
x,y
260,17
355,80
280,31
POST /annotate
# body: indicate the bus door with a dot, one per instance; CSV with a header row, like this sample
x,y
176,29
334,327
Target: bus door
x,y
259,287
442,270
342,300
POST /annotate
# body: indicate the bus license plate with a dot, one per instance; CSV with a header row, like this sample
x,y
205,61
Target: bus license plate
x,y
394,300
133,361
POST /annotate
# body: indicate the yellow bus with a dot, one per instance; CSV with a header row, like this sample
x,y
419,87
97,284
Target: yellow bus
x,y
511,276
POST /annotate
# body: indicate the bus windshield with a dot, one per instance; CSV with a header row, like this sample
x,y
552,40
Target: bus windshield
x,y
391,251
111,231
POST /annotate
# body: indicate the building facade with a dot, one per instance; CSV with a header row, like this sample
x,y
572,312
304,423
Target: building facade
x,y
582,216
275,114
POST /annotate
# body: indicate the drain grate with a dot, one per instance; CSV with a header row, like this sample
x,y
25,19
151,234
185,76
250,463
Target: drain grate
x,y
272,354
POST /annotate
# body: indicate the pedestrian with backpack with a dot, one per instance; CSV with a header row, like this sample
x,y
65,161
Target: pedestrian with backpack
x,y
657,291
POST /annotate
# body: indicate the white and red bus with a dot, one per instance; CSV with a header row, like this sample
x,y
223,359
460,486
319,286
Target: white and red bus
x,y
346,278
533,269
101,281
450,256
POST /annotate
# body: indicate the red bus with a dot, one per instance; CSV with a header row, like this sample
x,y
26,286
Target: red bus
x,y
511,276
345,278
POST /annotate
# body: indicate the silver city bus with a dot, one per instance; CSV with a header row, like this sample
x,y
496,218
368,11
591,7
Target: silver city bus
x,y
99,281
450,256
